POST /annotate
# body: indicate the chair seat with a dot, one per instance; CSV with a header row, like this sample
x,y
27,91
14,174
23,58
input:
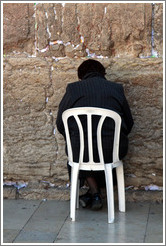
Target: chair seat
x,y
87,166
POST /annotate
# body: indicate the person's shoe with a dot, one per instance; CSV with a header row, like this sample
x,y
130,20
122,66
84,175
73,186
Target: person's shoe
x,y
85,200
96,202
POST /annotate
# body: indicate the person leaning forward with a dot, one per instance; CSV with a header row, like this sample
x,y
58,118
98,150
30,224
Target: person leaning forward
x,y
94,90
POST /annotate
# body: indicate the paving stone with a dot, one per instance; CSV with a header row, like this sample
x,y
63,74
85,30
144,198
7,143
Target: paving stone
x,y
9,235
16,213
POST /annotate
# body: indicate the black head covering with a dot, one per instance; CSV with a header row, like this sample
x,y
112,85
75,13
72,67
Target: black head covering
x,y
90,66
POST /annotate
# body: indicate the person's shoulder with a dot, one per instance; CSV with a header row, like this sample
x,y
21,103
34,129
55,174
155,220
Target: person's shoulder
x,y
71,84
117,85
74,85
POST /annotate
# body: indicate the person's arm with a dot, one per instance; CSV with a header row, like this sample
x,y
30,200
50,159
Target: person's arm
x,y
127,114
65,104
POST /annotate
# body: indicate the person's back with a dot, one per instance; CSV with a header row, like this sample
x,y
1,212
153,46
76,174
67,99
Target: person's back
x,y
95,91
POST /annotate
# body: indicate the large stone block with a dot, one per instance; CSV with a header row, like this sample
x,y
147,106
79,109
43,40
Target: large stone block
x,y
25,82
18,27
9,192
103,27
94,29
29,141
158,28
143,82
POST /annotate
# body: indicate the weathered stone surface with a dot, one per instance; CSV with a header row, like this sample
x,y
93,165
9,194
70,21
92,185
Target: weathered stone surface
x,y
33,152
107,33
50,194
142,196
48,21
18,27
77,29
27,84
9,192
65,34
64,194
158,28
28,125
142,79
96,28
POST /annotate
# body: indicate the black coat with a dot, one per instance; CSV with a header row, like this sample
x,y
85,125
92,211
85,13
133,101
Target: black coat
x,y
95,91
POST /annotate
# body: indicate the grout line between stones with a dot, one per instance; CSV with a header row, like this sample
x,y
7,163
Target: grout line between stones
x,y
61,228
147,223
27,221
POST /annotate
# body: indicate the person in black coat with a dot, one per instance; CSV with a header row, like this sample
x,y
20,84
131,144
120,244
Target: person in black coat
x,y
94,90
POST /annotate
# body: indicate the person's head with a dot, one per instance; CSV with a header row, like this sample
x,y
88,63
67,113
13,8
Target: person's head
x,y
89,66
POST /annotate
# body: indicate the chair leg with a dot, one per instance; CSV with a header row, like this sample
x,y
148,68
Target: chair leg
x,y
121,188
73,191
78,187
110,192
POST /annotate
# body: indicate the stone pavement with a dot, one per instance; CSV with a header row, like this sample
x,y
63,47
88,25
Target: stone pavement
x,y
29,221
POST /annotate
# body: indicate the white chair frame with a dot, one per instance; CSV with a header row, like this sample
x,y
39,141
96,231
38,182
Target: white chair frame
x,y
91,165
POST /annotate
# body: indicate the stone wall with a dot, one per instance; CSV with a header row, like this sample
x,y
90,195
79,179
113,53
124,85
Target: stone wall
x,y
43,46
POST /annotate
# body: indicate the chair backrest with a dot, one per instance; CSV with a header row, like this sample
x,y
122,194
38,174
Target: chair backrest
x,y
89,112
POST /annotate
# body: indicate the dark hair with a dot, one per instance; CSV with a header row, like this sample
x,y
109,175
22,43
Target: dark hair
x,y
89,66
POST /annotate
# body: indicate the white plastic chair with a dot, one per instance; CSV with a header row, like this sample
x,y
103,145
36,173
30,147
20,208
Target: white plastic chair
x,y
91,165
